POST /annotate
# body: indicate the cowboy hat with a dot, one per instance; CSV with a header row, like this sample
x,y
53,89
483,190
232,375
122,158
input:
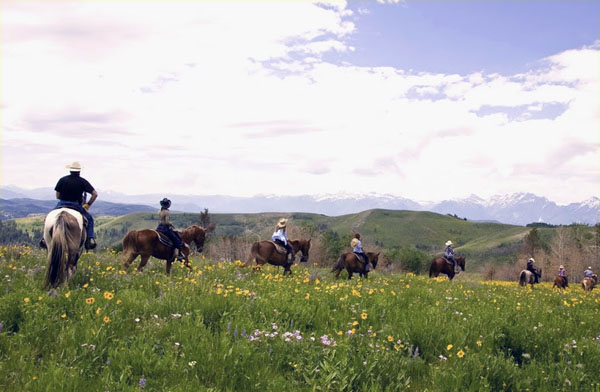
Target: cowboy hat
x,y
74,167
531,259
590,267
354,242
166,203
282,222
561,267
449,243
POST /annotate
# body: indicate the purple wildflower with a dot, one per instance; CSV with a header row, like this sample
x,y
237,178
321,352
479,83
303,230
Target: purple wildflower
x,y
142,382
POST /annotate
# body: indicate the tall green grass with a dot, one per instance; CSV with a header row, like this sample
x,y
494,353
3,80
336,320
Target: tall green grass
x,y
226,327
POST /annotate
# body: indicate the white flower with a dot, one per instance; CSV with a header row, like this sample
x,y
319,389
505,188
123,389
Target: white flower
x,y
192,363
137,319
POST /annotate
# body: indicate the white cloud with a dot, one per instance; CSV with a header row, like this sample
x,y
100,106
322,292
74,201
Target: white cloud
x,y
236,98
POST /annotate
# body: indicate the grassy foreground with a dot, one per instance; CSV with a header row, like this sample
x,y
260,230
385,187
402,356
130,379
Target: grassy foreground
x,y
224,327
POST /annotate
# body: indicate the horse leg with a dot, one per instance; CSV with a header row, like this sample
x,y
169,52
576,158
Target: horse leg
x,y
286,269
129,259
143,262
349,274
169,264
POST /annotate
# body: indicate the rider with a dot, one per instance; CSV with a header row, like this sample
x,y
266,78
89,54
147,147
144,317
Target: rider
x,y
449,255
588,272
280,237
356,244
71,193
534,271
563,274
166,227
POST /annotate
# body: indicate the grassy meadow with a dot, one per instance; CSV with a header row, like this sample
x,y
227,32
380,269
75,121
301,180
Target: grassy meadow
x,y
224,327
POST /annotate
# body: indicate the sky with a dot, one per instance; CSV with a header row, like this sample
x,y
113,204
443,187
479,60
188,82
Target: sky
x,y
428,100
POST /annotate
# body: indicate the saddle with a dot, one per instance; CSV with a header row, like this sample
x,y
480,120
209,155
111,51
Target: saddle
x,y
279,247
163,239
361,258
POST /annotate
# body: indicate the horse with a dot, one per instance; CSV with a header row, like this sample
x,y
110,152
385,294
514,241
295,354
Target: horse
x,y
264,252
65,235
589,283
559,283
195,234
440,265
527,277
145,243
352,264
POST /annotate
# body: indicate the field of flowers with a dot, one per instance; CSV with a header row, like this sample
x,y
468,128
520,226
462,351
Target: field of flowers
x,y
226,327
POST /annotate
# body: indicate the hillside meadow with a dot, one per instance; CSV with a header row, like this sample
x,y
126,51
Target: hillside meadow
x,y
225,327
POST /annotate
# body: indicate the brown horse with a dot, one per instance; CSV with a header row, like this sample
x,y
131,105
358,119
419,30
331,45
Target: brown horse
x,y
195,234
589,283
145,243
440,265
350,262
264,252
527,277
559,283
64,233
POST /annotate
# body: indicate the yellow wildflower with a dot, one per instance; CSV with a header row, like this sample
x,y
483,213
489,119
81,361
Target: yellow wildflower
x,y
460,354
90,300
363,316
106,319
449,347
108,295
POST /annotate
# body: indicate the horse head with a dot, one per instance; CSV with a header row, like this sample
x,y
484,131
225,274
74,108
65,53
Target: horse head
x,y
461,262
302,246
374,258
197,235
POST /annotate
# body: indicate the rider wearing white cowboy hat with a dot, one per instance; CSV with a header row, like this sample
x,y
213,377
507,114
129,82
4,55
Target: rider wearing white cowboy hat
x,y
71,192
449,255
280,236
533,270
588,272
563,274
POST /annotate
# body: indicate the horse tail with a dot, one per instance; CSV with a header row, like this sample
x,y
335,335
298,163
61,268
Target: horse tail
x,y
431,270
57,254
339,265
130,242
253,253
523,278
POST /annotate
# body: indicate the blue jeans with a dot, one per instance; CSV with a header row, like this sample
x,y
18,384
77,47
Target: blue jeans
x,y
169,232
76,206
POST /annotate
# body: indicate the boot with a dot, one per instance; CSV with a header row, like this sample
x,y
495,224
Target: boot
x,y
90,243
290,258
43,244
367,267
180,256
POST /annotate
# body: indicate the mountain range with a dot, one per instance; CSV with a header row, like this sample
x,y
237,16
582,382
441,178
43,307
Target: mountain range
x,y
516,209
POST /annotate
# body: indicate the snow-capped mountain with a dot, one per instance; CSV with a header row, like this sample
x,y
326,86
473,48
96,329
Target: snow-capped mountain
x,y
518,208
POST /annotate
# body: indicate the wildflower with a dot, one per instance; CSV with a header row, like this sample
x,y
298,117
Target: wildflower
x,y
119,302
479,343
98,311
390,338
137,319
106,319
460,354
354,323
67,294
443,358
90,300
449,347
85,285
108,295
1,327
26,299
340,333
142,382
363,316
192,363
64,315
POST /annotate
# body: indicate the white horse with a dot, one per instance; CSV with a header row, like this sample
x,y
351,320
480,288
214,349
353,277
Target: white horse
x,y
588,283
65,235
527,277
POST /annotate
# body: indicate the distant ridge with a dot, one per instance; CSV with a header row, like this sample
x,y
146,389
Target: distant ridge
x,y
517,209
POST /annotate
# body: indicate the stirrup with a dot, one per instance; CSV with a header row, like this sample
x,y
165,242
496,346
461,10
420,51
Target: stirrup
x,y
90,243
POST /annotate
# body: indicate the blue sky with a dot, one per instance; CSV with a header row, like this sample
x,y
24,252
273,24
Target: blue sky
x,y
470,36
301,97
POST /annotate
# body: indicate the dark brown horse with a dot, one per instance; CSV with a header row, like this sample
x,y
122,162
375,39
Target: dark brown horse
x,y
350,262
264,252
440,265
64,233
145,243
559,282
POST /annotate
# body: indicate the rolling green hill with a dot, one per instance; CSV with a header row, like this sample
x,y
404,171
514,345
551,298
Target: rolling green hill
x,y
383,229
